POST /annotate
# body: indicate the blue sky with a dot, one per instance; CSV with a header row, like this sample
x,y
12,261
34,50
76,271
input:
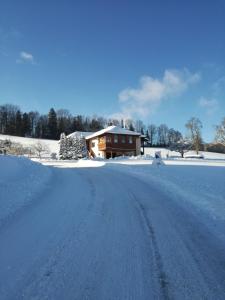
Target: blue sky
x,y
159,61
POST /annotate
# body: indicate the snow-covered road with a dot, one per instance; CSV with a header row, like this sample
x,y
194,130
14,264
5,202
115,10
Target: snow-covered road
x,y
103,233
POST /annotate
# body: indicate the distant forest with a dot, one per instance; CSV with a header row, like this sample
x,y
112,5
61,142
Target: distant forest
x,y
49,126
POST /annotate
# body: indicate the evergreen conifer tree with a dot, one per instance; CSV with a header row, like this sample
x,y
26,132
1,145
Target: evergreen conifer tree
x,y
72,147
18,123
63,147
52,124
25,125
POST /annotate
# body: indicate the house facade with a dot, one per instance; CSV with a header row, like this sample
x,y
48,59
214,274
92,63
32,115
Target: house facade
x,y
113,141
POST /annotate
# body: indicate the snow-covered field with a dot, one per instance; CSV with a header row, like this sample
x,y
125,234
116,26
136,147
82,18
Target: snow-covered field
x,y
52,146
115,229
173,154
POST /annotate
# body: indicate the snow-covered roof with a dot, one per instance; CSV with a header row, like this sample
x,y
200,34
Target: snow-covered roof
x,y
113,129
79,133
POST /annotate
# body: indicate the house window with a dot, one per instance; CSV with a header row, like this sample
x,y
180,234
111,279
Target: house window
x,y
130,140
108,139
92,144
123,139
115,138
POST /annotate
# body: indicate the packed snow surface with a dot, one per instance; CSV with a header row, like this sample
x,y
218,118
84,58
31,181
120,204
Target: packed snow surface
x,y
111,230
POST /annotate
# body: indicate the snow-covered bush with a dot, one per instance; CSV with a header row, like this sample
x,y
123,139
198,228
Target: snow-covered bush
x,y
12,148
53,155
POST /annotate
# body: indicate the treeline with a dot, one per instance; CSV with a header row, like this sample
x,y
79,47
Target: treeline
x,y
49,126
162,136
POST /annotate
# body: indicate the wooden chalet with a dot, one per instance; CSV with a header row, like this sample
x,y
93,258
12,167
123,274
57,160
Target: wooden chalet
x,y
113,141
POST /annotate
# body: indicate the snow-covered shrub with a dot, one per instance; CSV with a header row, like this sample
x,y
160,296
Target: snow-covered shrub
x,y
12,148
53,155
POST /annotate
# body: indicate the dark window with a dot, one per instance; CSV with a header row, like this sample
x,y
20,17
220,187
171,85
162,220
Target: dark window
x,y
115,138
108,139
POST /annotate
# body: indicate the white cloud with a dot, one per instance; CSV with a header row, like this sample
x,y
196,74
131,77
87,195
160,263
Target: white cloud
x,y
211,105
25,57
142,101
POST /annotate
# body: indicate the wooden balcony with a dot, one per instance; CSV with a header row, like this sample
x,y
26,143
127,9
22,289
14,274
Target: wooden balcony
x,y
107,143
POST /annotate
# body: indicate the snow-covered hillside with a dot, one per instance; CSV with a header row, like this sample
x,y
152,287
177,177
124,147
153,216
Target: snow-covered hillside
x,y
52,146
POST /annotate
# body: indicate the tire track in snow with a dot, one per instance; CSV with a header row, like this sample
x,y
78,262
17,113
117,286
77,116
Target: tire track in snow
x,y
124,242
162,277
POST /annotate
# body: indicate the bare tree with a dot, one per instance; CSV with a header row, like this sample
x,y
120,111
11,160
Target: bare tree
x,y
152,130
194,126
40,148
182,146
34,117
139,126
163,131
129,124
174,136
63,113
220,132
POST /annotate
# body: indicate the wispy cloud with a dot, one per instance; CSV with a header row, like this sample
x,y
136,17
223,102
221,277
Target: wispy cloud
x,y
144,100
210,105
25,57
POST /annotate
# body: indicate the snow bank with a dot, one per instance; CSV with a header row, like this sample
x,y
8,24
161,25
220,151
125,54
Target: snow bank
x,y
80,163
180,162
20,180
